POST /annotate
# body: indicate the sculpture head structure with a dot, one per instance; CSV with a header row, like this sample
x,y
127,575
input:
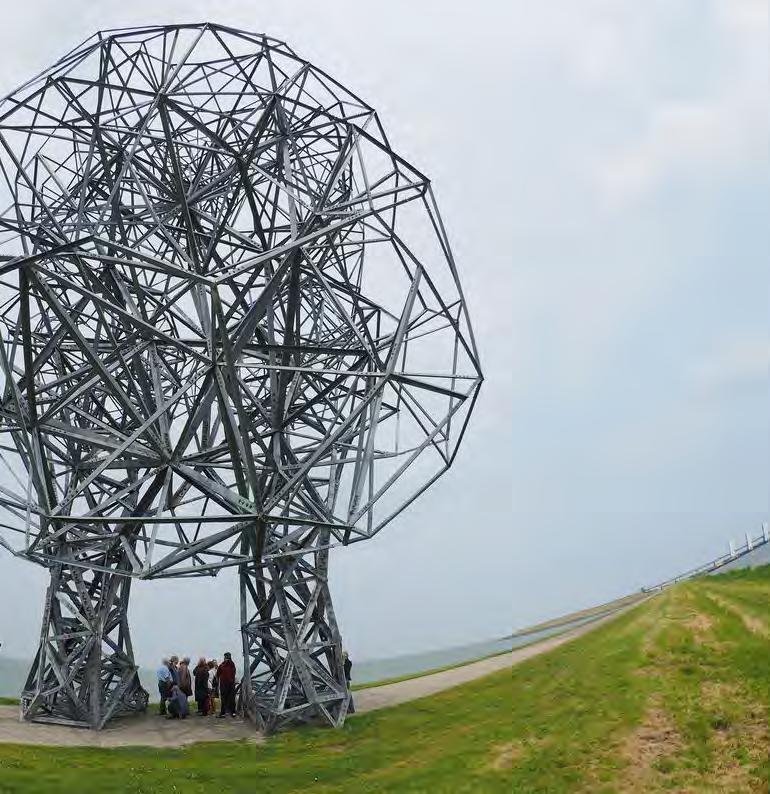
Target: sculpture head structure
x,y
232,334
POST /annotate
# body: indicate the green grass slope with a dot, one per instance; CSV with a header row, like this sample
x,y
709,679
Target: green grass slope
x,y
671,696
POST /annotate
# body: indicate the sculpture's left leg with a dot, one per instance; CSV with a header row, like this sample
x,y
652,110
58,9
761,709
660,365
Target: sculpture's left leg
x,y
84,672
292,645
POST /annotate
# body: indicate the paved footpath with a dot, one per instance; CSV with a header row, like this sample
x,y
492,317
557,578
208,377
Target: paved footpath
x,y
392,694
147,729
152,730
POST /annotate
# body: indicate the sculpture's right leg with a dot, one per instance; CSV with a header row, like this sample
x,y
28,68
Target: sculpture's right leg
x,y
84,672
293,667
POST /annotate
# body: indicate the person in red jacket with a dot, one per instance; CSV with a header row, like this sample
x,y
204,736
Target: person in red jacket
x,y
226,678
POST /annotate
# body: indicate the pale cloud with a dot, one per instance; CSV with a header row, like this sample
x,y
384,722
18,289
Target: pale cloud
x,y
706,141
735,363
648,100
749,17
701,138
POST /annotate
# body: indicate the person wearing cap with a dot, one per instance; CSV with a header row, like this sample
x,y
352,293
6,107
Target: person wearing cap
x,y
173,668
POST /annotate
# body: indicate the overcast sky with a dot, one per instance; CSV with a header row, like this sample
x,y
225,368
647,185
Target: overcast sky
x,y
602,169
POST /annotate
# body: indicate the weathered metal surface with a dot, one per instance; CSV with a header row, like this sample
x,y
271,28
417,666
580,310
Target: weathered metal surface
x,y
231,324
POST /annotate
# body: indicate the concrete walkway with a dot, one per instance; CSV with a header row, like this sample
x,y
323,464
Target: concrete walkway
x,y
392,694
154,731
147,729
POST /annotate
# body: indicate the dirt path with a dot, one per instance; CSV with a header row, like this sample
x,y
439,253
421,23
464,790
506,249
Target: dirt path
x,y
152,730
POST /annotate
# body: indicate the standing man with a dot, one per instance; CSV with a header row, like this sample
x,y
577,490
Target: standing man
x,y
165,682
347,666
173,667
226,678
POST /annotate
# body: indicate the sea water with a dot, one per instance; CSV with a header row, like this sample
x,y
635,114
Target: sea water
x,y
13,672
13,675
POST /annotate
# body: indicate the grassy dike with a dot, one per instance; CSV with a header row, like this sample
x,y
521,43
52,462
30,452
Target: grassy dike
x,y
672,696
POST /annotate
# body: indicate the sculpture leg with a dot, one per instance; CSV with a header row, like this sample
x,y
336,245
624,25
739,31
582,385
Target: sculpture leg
x,y
291,642
84,672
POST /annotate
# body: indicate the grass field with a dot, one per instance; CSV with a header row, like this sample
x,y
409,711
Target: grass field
x,y
672,696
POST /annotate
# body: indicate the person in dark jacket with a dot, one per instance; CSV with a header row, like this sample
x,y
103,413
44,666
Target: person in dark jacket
x,y
201,676
226,677
185,678
173,668
347,666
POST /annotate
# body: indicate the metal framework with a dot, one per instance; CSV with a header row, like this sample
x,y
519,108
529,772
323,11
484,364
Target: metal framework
x,y
232,335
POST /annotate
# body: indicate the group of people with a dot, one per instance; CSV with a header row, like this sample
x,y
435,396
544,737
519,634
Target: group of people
x,y
209,681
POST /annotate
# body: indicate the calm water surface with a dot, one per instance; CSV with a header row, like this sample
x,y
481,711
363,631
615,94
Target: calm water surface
x,y
13,672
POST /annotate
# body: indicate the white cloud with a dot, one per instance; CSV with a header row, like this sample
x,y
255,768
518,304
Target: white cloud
x,y
746,16
732,364
709,139
701,137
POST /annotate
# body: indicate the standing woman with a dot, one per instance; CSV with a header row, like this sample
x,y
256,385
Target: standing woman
x,y
185,679
201,676
214,684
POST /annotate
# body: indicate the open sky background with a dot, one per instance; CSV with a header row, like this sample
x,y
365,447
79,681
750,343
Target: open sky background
x,y
602,169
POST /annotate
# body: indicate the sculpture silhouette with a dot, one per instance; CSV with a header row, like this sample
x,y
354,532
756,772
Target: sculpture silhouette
x,y
231,324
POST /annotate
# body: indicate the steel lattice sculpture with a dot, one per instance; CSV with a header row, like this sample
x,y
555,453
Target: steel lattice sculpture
x,y
230,323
